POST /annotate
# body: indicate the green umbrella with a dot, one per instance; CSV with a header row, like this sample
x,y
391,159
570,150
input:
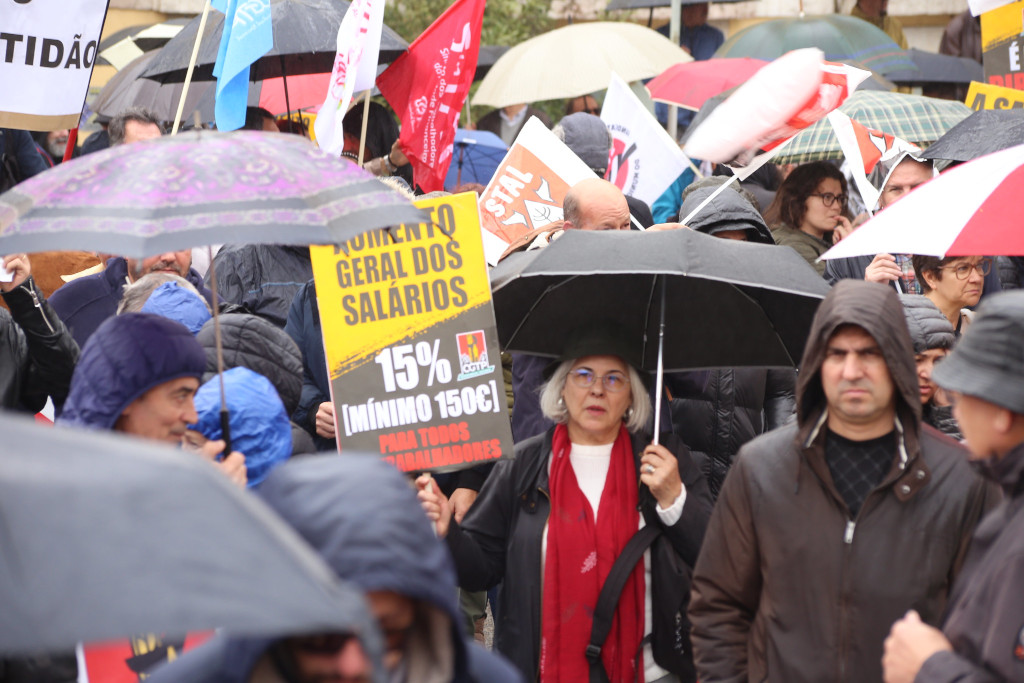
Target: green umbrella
x,y
840,37
916,119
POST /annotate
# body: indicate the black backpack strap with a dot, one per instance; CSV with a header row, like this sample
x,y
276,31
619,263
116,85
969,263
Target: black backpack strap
x,y
604,610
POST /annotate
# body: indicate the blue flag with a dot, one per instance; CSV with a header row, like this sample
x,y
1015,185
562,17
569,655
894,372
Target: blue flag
x,y
248,35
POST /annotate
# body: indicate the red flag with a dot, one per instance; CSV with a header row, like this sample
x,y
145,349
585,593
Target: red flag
x,y
428,85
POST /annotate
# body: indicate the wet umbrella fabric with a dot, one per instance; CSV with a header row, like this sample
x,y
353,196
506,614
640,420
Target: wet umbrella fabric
x,y
842,38
970,210
981,133
104,537
305,42
936,68
727,303
475,158
196,188
916,119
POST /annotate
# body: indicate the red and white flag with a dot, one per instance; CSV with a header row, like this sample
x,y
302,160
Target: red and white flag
x,y
355,68
864,148
428,85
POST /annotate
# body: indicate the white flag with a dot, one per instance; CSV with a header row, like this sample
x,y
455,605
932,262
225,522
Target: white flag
x,y
355,69
644,159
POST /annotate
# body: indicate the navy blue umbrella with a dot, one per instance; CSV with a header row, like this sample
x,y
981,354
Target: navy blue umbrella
x,y
475,158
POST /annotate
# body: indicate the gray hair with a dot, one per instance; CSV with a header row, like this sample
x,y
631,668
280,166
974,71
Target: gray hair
x,y
135,295
553,407
571,208
117,125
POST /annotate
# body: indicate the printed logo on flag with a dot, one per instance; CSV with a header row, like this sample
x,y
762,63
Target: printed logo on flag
x,y
472,355
623,162
524,195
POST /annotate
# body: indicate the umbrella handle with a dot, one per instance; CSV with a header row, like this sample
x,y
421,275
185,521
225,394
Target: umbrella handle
x,y
659,380
225,431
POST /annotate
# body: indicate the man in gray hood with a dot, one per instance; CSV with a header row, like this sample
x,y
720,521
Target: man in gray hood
x,y
830,528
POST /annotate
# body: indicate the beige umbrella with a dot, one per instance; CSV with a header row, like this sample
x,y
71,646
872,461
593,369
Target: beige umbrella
x,y
575,60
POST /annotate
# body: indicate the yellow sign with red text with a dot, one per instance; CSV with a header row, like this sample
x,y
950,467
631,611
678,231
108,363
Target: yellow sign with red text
x,y
411,342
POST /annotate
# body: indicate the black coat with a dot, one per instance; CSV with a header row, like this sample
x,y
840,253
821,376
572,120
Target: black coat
x,y
37,353
500,538
263,278
736,405
249,341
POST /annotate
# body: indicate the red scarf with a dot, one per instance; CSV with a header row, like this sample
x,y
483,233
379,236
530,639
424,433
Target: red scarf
x,y
579,556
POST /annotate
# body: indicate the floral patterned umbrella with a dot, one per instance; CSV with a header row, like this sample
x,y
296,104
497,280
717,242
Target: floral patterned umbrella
x,y
197,188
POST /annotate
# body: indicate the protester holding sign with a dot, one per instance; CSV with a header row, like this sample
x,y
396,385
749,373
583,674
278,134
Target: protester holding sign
x,y
538,514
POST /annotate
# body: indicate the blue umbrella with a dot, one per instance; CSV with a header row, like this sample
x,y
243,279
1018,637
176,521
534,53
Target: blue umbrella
x,y
475,158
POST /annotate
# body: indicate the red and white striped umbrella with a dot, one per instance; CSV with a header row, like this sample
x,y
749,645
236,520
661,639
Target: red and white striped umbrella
x,y
971,210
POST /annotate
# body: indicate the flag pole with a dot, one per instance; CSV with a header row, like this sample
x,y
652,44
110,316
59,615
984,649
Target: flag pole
x,y
366,118
191,67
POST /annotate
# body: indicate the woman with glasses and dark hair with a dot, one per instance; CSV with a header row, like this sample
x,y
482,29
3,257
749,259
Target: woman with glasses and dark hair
x,y
563,510
808,206
954,284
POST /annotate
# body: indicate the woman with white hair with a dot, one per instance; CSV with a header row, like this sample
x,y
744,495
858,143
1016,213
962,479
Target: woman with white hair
x,y
563,511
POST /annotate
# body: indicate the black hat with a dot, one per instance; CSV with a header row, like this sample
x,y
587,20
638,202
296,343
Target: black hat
x,y
989,360
598,338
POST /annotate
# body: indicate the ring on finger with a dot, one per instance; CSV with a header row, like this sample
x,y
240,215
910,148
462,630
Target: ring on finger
x,y
649,469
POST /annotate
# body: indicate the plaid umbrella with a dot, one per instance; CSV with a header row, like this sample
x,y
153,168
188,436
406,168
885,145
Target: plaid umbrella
x,y
916,119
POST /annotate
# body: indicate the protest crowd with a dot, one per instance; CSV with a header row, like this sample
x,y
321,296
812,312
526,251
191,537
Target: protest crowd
x,y
670,376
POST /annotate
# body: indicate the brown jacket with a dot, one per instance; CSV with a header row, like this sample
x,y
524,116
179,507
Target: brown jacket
x,y
789,588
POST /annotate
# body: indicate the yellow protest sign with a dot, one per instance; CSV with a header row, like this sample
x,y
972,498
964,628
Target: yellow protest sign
x,y
411,343
984,96
1003,45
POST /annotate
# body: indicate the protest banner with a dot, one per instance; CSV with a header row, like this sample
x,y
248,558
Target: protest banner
x,y
128,660
428,85
528,187
1002,45
645,160
984,96
411,343
48,54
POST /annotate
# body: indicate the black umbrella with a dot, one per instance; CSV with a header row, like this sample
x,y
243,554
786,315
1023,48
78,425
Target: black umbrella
x,y
688,300
121,47
105,536
981,133
727,303
936,68
305,42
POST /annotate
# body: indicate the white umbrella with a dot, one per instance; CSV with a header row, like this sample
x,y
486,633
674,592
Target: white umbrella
x,y
970,210
575,60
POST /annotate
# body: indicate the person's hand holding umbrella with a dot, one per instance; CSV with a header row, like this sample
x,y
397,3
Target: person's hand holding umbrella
x,y
659,471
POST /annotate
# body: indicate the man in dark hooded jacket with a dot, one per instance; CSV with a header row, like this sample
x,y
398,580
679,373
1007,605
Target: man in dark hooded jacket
x,y
829,529
261,277
982,637
364,519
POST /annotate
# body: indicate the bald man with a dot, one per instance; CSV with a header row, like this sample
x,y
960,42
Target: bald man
x,y
595,204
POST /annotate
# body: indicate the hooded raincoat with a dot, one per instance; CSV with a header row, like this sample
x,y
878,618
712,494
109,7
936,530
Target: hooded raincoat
x,y
788,586
363,518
